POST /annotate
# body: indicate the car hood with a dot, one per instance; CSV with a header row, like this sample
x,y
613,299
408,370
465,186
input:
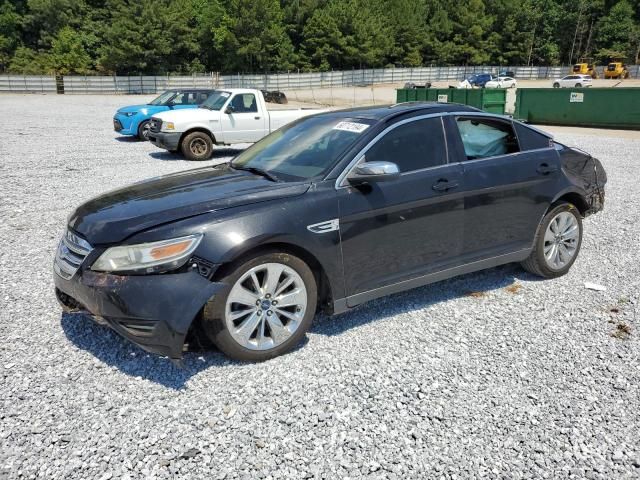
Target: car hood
x,y
137,108
188,114
114,216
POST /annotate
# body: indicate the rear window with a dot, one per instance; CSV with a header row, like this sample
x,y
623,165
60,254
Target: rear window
x,y
530,139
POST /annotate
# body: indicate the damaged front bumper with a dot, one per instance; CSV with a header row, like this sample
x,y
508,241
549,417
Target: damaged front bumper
x,y
153,311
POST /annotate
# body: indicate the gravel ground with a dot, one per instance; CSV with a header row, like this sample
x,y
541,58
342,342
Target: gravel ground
x,y
495,374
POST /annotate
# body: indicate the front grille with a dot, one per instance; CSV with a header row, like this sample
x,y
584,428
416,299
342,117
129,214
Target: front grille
x,y
117,125
155,125
72,250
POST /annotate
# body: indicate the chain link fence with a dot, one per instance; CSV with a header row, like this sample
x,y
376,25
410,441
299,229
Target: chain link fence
x,y
146,84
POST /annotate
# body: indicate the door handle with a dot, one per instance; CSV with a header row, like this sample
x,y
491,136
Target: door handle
x,y
545,169
444,185
256,118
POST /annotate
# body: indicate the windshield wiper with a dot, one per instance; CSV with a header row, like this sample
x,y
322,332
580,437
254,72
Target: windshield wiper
x,y
257,171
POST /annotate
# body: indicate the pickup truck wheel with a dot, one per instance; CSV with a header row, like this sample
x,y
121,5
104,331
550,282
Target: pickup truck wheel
x,y
197,146
143,130
557,242
265,309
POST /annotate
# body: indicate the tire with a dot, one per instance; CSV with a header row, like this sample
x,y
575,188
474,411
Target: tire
x,y
197,146
260,340
578,85
556,85
539,264
143,130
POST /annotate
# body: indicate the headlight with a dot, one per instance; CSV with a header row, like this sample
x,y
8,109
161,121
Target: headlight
x,y
169,126
151,257
130,114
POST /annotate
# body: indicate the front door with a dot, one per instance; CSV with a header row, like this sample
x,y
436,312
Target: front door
x,y
403,228
243,123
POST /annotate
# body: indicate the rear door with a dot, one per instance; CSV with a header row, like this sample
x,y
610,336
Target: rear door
x,y
401,229
510,178
245,122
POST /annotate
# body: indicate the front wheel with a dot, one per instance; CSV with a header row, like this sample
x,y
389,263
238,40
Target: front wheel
x,y
578,85
556,85
197,146
557,242
143,130
265,309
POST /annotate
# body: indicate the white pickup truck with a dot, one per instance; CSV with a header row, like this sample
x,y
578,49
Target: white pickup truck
x,y
235,115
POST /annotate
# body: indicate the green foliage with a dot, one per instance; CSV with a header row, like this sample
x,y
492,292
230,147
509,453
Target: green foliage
x,y
617,33
191,36
68,54
29,62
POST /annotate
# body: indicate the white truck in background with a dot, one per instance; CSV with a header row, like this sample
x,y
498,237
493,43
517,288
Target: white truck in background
x,y
229,116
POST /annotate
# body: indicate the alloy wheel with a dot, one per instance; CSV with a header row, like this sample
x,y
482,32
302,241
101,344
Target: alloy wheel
x,y
146,128
265,306
561,240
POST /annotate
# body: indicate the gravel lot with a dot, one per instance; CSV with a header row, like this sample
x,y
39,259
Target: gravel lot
x,y
495,374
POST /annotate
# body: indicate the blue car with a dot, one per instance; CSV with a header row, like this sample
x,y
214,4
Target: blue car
x,y
135,119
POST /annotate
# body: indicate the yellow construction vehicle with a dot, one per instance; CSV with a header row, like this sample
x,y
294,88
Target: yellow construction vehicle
x,y
616,70
584,67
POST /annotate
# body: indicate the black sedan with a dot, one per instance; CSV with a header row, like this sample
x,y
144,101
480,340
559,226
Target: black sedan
x,y
326,213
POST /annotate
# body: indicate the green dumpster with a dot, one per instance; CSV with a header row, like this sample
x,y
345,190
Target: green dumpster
x,y
585,107
489,100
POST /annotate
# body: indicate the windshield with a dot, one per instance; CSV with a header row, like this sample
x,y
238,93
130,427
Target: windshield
x,y
305,149
215,101
164,98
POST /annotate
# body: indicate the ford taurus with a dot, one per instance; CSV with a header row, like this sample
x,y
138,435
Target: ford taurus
x,y
326,213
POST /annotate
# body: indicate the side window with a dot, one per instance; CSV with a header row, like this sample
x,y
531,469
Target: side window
x,y
180,99
485,137
202,96
192,98
530,139
412,146
244,103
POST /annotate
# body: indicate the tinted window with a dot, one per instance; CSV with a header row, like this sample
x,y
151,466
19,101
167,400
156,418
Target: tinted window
x,y
412,146
485,137
201,97
530,139
183,98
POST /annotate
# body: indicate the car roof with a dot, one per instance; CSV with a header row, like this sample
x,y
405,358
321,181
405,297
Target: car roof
x,y
191,89
385,112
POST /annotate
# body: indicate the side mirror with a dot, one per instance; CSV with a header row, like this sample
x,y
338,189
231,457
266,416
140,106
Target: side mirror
x,y
230,109
374,172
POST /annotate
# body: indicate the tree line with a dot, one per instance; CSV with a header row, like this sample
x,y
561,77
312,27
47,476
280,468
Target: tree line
x,y
190,36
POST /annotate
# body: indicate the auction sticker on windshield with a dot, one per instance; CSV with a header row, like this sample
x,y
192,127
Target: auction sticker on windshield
x,y
351,127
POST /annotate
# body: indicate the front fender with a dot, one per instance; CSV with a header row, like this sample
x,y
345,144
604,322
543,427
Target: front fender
x,y
231,233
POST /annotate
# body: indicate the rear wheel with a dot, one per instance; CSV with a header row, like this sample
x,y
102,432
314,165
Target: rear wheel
x,y
197,146
578,85
265,309
143,130
557,242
